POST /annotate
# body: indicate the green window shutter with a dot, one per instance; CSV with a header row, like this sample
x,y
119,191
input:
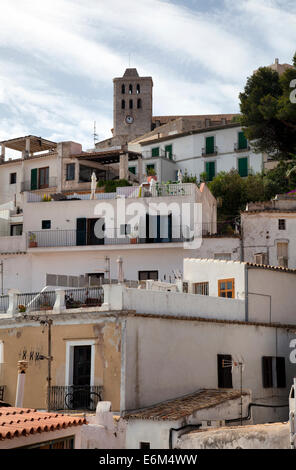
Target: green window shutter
x,y
132,169
155,152
210,170
243,166
34,179
81,231
210,145
169,149
242,141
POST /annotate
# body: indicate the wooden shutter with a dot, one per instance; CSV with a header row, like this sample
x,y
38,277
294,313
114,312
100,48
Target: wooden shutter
x,y
243,166
267,371
210,144
169,149
81,231
210,170
281,372
155,152
242,141
34,179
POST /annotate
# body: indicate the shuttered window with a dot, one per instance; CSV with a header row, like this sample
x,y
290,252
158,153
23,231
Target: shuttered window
x,y
210,170
210,145
224,371
155,152
243,167
242,141
34,178
81,231
273,372
169,151
132,169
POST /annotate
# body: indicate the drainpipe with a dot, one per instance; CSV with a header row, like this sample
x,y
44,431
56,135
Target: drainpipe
x,y
246,293
120,270
21,378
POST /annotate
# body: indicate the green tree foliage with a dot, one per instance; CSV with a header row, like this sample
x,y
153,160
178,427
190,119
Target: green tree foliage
x,y
268,116
234,192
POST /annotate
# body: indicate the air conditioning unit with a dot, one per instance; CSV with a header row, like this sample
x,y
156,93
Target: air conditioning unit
x,y
283,261
212,424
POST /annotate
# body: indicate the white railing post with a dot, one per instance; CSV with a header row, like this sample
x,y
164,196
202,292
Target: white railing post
x,y
59,305
13,302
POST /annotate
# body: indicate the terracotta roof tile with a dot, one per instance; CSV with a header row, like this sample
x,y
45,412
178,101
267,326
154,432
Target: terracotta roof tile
x,y
16,422
178,408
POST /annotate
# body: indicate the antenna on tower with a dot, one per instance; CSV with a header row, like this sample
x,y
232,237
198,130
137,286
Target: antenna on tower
x,y
96,137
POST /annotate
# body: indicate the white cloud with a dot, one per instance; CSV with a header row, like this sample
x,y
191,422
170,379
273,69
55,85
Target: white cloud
x,y
64,54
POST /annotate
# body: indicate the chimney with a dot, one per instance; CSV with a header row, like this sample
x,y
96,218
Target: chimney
x,y
22,367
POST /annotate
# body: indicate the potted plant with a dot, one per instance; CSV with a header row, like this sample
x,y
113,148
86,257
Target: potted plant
x,y
133,236
151,175
22,308
32,240
46,198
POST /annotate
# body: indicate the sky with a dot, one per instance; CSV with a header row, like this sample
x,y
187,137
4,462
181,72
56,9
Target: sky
x,y
58,58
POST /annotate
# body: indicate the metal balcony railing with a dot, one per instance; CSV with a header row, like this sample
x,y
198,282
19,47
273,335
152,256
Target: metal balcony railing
x,y
4,303
51,183
64,238
206,152
75,397
84,297
240,148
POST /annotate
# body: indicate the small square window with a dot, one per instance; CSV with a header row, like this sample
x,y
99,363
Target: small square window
x,y
12,178
282,224
46,224
144,445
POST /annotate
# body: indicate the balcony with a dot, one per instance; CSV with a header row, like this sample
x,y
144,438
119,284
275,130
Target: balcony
x,y
206,153
51,183
71,238
75,397
241,147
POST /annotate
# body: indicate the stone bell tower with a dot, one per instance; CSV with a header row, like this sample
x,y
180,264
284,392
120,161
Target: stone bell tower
x,y
132,108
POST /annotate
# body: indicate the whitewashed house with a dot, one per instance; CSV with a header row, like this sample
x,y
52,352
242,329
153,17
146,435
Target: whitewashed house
x,y
208,150
267,291
268,231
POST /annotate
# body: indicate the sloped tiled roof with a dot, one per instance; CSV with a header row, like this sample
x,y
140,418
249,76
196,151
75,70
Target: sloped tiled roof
x,y
178,408
16,422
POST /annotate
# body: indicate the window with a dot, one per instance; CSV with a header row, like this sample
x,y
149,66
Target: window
x,y
168,151
282,224
46,224
226,288
201,288
123,89
70,171
130,89
242,141
125,229
130,104
273,372
144,445
12,178
224,370
138,89
210,170
210,145
242,166
155,152
132,169
139,103
16,229
122,104
43,177
282,254
144,275
150,167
